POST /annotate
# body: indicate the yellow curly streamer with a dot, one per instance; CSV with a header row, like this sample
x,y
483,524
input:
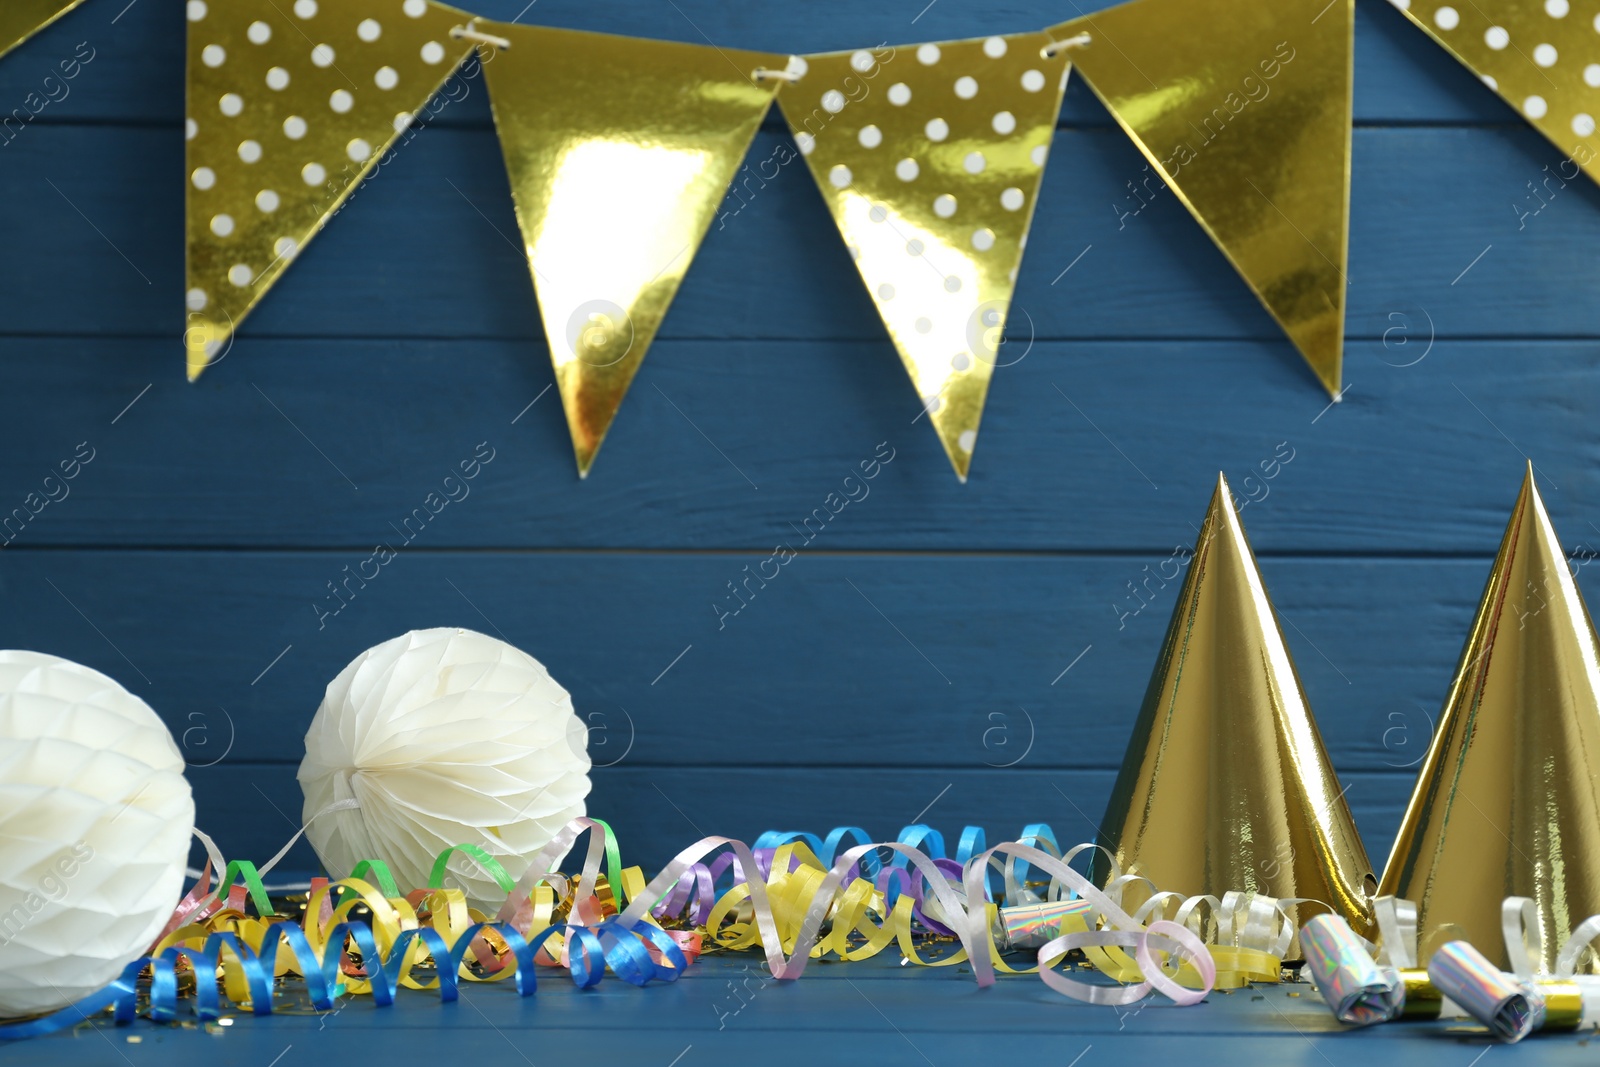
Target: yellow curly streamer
x,y
862,925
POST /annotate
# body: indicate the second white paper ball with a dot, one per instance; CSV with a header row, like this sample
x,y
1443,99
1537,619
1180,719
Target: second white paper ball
x,y
443,737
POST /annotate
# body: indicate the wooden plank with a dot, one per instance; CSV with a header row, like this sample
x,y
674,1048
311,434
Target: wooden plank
x,y
1422,458
896,1038
733,1013
429,247
871,660
1400,74
253,808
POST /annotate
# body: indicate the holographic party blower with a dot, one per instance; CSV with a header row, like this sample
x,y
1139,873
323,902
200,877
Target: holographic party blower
x,y
1033,925
1510,1009
1458,984
1358,990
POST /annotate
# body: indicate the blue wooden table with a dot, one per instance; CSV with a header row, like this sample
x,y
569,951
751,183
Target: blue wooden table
x,y
958,654
726,1010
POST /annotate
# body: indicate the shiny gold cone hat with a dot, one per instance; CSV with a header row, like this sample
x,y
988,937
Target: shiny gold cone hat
x,y
1226,785
1508,799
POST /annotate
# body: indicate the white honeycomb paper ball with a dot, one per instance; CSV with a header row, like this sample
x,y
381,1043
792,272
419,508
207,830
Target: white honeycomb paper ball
x,y
95,822
444,737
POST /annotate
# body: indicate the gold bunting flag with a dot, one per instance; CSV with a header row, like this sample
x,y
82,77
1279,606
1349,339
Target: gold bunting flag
x,y
619,150
1226,784
291,105
1507,803
930,157
1542,58
1243,106
21,19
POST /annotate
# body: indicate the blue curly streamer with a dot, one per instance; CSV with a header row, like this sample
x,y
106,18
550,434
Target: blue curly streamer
x,y
590,950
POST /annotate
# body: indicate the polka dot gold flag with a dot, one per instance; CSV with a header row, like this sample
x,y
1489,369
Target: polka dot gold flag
x,y
1541,56
21,19
619,151
1244,108
929,157
291,103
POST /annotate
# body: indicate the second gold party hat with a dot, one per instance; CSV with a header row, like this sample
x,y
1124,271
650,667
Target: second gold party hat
x,y
1508,799
1226,785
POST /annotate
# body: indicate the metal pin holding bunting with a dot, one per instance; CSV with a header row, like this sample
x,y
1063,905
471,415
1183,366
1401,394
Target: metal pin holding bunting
x,y
792,73
1054,48
470,32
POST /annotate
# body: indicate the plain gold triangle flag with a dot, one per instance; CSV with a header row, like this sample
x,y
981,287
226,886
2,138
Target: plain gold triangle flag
x,y
1226,785
1244,108
619,150
1542,58
21,19
1507,803
290,106
930,157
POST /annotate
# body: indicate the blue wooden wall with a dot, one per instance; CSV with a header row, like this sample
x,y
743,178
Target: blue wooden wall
x,y
923,640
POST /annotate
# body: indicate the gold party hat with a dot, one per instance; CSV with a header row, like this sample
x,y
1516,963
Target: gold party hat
x,y
1226,785
1508,801
1248,121
21,19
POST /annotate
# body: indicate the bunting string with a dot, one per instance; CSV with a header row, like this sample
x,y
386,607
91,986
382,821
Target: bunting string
x,y
929,157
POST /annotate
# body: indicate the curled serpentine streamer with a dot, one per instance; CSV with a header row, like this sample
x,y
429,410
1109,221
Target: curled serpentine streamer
x,y
795,897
